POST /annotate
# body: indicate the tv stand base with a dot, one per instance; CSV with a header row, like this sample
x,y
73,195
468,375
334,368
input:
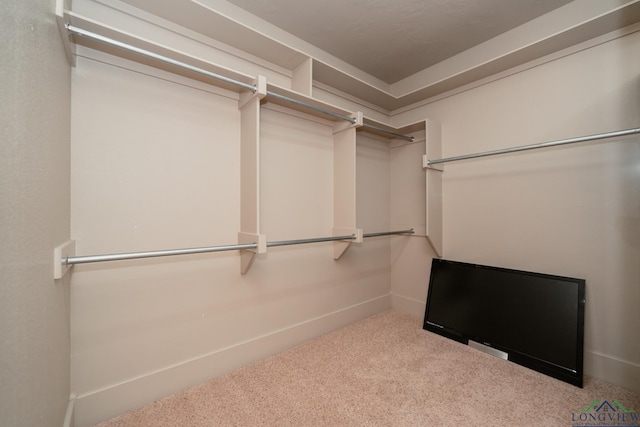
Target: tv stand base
x,y
489,350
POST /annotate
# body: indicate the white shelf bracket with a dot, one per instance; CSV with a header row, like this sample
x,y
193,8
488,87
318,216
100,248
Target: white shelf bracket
x,y
344,125
247,256
341,246
61,253
433,186
344,184
260,92
249,106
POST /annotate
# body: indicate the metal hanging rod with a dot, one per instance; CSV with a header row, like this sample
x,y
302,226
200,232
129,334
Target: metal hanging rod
x,y
351,120
83,33
171,252
208,249
540,145
315,240
396,134
152,254
388,233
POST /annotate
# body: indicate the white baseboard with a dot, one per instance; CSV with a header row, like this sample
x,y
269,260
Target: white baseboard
x,y
100,405
622,373
69,415
408,305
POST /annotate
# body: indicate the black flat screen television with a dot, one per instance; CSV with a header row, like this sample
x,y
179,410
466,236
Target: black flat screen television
x,y
532,319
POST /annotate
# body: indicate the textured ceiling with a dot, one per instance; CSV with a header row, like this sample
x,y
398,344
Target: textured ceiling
x,y
393,39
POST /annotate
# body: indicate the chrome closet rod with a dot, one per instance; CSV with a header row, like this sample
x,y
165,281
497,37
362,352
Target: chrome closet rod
x,y
311,107
314,240
396,134
540,145
349,119
151,254
128,47
171,252
388,233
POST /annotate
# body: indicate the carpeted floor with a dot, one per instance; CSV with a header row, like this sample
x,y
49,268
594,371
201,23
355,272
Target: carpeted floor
x,y
386,371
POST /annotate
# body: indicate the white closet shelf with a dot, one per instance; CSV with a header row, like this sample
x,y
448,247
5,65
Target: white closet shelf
x,y
80,30
404,134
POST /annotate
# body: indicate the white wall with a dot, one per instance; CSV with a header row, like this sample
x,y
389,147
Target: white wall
x,y
156,165
34,212
572,210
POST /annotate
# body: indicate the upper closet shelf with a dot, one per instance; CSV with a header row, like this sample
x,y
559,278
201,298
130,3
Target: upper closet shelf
x,y
564,30
76,29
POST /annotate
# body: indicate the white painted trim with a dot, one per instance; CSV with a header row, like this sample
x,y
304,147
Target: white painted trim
x,y
597,41
408,305
108,402
611,369
70,414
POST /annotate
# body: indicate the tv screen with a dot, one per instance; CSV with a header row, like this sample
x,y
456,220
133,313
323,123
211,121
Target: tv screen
x,y
533,319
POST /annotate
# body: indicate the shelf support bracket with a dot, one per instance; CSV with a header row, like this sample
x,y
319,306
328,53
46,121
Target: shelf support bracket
x,y
61,253
344,184
249,105
341,246
433,186
247,256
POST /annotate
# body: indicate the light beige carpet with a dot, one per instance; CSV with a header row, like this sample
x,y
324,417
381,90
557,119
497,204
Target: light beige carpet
x,y
383,371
